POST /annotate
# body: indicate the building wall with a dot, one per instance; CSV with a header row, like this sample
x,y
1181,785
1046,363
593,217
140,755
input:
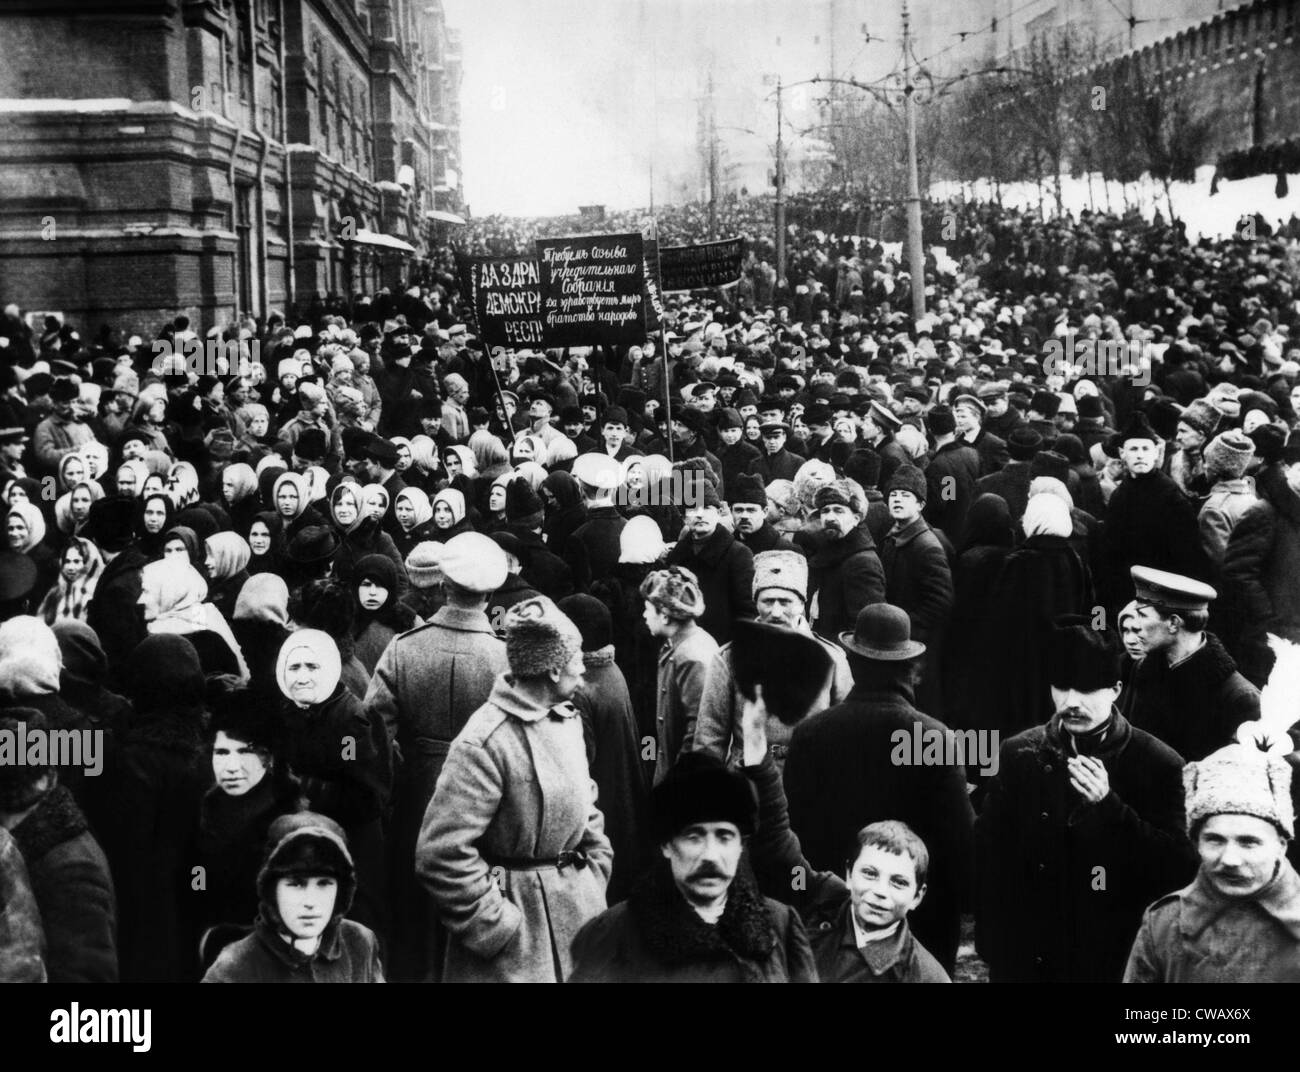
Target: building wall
x,y
135,169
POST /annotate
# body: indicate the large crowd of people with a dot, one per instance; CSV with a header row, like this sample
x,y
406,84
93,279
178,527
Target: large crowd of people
x,y
780,647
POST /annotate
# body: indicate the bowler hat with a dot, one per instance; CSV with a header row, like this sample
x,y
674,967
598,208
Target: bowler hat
x,y
883,632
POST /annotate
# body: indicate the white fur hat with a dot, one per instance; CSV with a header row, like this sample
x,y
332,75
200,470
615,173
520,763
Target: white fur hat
x,y
1238,780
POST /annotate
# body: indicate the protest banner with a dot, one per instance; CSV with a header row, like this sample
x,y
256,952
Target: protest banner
x,y
593,290
507,298
654,304
710,264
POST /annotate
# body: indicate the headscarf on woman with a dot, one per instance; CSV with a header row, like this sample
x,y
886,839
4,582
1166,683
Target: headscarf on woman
x,y
269,560
228,554
1046,515
424,455
373,628
421,505
151,543
135,487
468,466
34,520
299,485
172,594
374,498
63,516
353,493
193,546
69,600
183,484
238,482
308,667
68,478
455,502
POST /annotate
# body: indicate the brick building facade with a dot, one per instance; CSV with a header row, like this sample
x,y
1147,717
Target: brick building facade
x,y
220,156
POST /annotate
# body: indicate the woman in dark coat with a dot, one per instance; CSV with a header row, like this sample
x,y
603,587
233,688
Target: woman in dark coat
x,y
986,544
1041,579
152,521
380,614
266,543
359,536
566,509
149,830
26,529
344,759
254,787
239,495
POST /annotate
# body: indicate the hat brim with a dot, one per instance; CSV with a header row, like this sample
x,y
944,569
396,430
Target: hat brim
x,y
791,667
908,650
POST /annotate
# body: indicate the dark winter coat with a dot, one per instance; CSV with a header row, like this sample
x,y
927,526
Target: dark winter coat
x,y
367,539
73,888
350,954
1149,522
542,568
1039,580
918,578
22,938
1262,569
992,452
1043,914
593,548
779,466
840,775
844,576
725,569
950,481
614,756
114,612
1012,483
767,538
656,937
1196,707
735,460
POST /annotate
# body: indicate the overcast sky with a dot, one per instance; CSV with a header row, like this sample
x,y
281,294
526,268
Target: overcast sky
x,y
569,102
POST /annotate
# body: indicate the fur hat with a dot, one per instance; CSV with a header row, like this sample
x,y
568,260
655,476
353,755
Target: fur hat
x,y
1090,407
523,505
701,789
907,478
1228,454
1081,657
424,564
1023,443
1049,463
592,618
748,489
311,445
840,493
1164,416
675,591
864,467
1239,780
539,638
474,562
941,421
1138,427
1202,416
781,569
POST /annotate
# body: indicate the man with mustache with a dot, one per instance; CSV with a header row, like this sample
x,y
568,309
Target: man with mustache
x,y
846,572
1080,829
1239,921
697,915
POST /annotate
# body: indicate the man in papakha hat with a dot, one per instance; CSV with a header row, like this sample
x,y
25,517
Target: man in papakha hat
x,y
513,848
780,594
697,915
845,571
1188,691
1080,829
1239,920
427,684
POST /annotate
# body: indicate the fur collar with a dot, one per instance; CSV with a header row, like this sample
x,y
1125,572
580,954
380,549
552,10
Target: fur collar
x,y
600,657
54,820
677,936
1204,671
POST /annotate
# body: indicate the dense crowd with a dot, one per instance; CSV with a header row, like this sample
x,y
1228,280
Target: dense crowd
x,y
771,649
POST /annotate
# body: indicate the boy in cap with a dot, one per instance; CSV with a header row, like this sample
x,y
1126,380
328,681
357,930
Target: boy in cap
x,y
513,849
697,915
306,886
1239,920
1188,691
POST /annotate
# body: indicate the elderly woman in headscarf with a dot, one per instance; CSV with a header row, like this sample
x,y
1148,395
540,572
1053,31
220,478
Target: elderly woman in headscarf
x,y
156,783
413,513
25,532
72,510
172,593
1043,578
260,622
359,534
80,566
130,478
350,785
72,471
239,494
449,515
227,565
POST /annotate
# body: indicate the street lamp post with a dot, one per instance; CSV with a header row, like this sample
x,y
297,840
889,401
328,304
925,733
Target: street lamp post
x,y
780,191
916,252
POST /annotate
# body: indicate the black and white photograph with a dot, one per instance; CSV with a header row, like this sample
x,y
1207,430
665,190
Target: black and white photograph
x,y
651,491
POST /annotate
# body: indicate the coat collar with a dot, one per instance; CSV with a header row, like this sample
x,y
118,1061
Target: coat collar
x,y
330,948
833,552
710,552
879,956
1280,900
1057,741
462,620
676,935
510,700
909,532
54,820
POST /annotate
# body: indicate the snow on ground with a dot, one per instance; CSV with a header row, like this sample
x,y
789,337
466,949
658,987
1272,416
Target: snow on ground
x,y
1215,217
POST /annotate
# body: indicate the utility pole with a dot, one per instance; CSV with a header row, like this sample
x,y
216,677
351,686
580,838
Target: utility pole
x,y
780,190
713,162
916,254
